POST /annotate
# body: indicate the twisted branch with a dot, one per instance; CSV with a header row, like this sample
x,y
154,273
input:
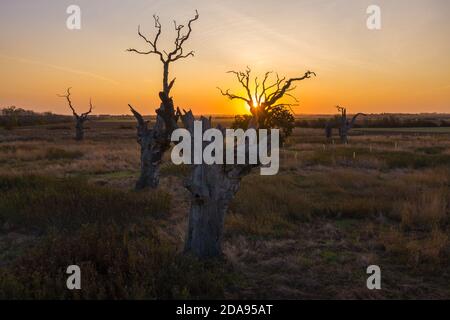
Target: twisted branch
x,y
69,101
265,95
175,54
67,96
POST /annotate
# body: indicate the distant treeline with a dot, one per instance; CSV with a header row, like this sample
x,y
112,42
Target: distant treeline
x,y
12,117
379,122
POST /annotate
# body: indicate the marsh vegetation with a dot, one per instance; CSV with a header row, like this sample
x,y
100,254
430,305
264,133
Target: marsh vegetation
x,y
308,232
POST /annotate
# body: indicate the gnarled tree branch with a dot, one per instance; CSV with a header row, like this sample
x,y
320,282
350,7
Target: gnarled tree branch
x,y
265,98
176,54
80,119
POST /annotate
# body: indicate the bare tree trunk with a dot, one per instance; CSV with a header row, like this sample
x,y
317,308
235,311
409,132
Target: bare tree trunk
x,y
79,130
329,130
212,188
343,133
154,142
206,217
205,231
346,126
150,161
166,88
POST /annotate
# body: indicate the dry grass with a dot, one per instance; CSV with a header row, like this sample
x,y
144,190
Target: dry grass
x,y
427,209
428,251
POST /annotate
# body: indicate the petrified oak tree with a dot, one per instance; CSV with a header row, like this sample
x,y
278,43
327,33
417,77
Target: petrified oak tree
x,y
155,142
213,187
345,125
151,150
79,119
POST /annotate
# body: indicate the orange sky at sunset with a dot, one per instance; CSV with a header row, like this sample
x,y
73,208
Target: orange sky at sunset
x,y
404,67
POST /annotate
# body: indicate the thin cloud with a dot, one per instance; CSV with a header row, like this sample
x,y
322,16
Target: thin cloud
x,y
60,68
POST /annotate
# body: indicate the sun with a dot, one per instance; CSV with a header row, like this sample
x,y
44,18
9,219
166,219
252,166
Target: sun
x,y
248,108
255,103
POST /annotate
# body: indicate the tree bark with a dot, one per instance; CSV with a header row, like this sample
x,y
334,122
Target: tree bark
x,y
205,230
79,130
212,188
343,133
154,142
166,89
150,161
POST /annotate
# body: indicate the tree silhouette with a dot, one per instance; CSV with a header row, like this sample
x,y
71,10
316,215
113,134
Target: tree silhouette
x,y
265,100
157,140
79,119
346,125
213,187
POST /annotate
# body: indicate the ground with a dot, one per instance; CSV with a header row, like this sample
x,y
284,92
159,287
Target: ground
x,y
309,232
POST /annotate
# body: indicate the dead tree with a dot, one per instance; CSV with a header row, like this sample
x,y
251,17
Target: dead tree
x,y
212,187
346,125
152,149
150,157
154,142
264,98
79,119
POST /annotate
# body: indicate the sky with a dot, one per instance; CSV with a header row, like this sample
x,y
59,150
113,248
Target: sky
x,y
403,67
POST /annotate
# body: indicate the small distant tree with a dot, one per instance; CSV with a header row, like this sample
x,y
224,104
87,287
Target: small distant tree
x,y
345,125
80,119
265,100
155,141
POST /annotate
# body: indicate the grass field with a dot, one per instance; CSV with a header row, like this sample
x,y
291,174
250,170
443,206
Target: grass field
x,y
434,130
309,232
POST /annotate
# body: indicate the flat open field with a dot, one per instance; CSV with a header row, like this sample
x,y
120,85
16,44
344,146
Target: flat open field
x,y
309,232
431,130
